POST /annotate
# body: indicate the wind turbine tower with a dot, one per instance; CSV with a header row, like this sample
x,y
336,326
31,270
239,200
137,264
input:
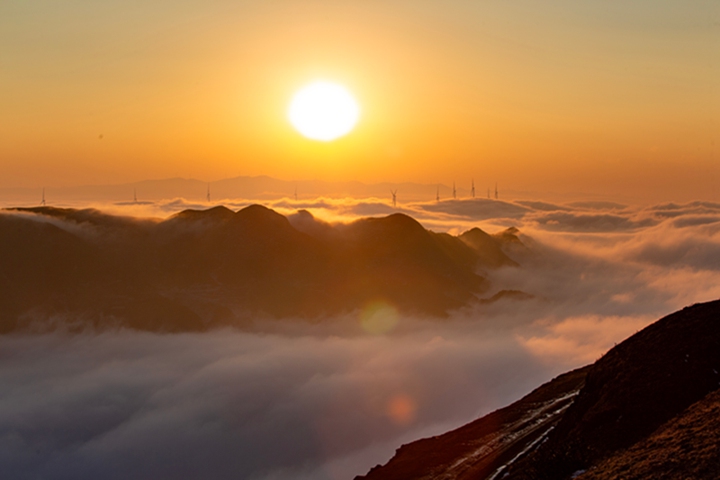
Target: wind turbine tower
x,y
496,192
394,195
437,194
42,202
472,188
454,191
134,195
208,193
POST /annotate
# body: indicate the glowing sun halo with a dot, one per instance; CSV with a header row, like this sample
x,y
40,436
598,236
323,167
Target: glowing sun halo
x,y
323,111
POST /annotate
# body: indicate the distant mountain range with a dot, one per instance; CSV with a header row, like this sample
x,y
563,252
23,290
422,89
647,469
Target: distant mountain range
x,y
649,408
202,269
253,188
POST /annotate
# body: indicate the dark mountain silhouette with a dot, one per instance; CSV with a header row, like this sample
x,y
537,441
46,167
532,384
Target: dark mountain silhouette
x,y
685,447
647,409
201,269
488,247
396,256
635,388
48,272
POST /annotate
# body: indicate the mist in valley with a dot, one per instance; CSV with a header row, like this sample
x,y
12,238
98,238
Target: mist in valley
x,y
329,397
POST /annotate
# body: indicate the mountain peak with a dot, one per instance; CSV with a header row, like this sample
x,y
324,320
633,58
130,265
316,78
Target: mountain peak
x,y
488,247
260,216
394,224
215,213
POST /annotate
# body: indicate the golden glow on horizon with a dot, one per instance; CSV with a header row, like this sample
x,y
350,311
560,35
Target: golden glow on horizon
x,y
323,111
587,98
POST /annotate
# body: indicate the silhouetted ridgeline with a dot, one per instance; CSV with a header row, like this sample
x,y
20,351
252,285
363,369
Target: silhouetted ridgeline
x,y
649,408
200,269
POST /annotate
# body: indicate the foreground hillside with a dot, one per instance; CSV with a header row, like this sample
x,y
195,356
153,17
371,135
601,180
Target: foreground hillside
x,y
647,409
201,269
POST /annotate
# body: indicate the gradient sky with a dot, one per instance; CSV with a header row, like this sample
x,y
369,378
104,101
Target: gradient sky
x,y
605,97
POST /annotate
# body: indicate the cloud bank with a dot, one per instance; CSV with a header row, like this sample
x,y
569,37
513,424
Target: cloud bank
x,y
236,405
295,400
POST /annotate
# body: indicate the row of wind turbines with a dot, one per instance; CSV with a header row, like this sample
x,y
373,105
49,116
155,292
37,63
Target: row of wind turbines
x,y
437,193
393,192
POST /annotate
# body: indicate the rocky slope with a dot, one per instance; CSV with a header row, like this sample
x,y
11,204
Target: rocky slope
x,y
646,409
688,446
485,446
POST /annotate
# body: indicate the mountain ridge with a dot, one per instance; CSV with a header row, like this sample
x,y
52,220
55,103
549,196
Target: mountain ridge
x,y
235,265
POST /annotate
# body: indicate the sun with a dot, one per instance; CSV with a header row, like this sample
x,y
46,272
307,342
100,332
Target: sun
x,y
323,111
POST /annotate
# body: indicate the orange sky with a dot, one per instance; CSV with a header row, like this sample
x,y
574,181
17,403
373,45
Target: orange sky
x,y
553,96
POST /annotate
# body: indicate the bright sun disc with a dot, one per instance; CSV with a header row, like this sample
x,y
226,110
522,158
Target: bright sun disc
x,y
323,111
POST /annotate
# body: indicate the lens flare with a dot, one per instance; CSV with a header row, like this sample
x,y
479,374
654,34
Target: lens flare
x,y
401,409
378,318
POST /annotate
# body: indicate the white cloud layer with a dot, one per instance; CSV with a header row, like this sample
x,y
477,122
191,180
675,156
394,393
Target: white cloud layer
x,y
330,401
228,404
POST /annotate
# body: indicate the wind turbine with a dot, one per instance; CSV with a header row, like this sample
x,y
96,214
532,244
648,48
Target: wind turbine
x,y
473,188
394,195
496,192
296,193
454,191
208,193
42,202
437,194
134,195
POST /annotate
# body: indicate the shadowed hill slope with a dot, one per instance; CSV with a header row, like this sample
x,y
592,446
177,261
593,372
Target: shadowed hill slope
x,y
635,410
636,387
687,447
479,448
395,256
49,275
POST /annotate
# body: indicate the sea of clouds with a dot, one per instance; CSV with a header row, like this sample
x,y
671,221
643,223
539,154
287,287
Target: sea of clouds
x,y
294,400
